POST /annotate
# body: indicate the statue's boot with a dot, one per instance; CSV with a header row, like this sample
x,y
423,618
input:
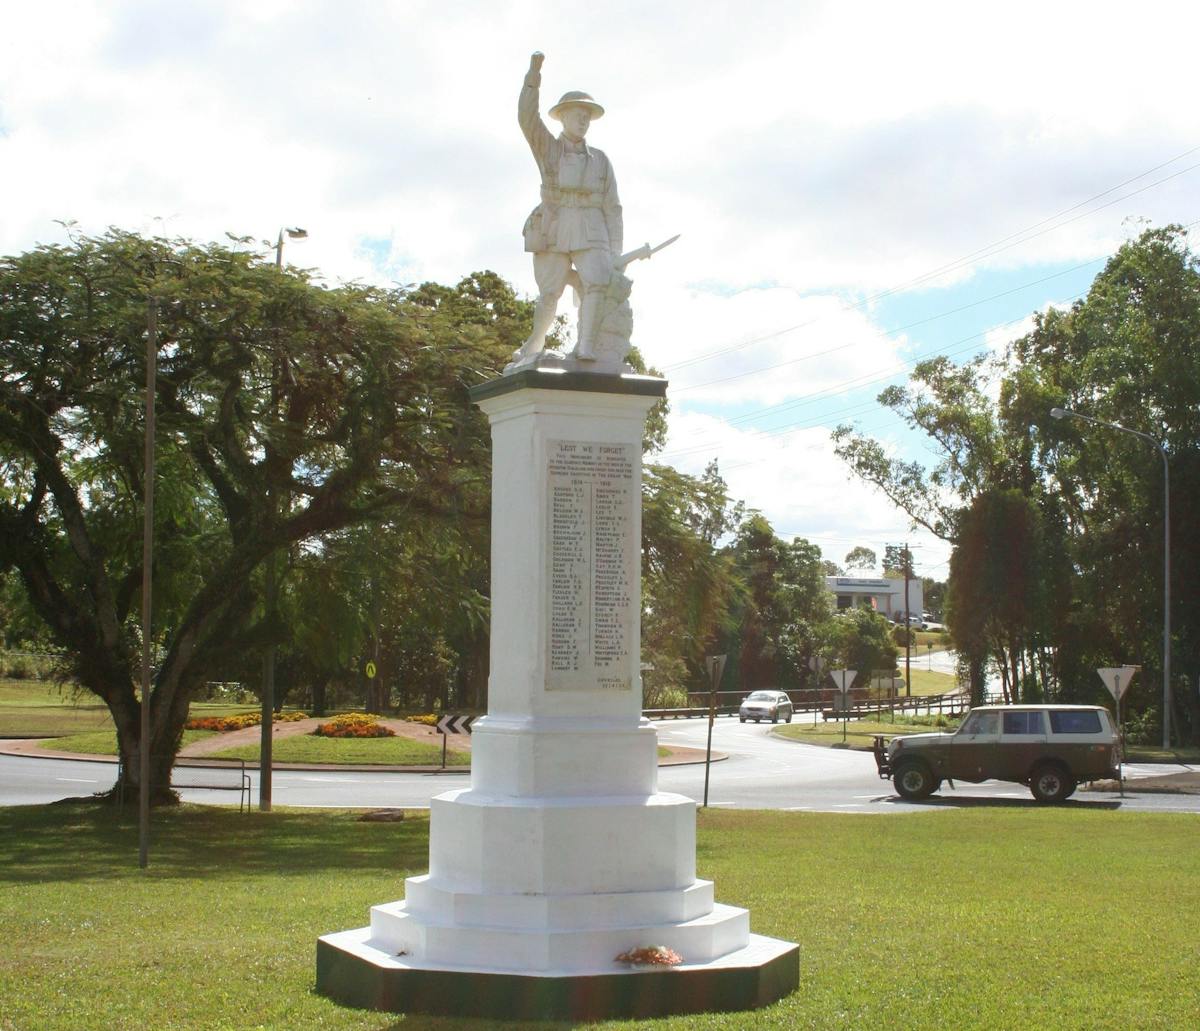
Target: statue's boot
x,y
543,318
589,324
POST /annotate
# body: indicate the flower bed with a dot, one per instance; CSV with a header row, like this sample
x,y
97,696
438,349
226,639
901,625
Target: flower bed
x,y
224,724
354,724
428,719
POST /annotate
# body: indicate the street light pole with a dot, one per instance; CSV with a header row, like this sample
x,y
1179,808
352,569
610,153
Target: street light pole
x,y
147,583
294,233
1063,413
271,597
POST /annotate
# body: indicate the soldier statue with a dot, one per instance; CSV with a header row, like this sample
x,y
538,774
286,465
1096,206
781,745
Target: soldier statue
x,y
575,233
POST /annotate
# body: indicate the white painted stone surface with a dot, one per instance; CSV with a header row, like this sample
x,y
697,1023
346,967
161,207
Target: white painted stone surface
x,y
562,853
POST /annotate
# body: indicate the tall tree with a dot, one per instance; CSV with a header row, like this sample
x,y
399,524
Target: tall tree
x,y
286,411
688,584
1125,354
783,602
858,639
860,558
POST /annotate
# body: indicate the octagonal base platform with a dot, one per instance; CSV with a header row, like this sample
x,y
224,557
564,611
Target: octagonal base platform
x,y
352,971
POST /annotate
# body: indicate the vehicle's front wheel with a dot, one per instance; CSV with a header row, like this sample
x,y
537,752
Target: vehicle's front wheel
x,y
742,718
913,780
775,719
1051,783
789,717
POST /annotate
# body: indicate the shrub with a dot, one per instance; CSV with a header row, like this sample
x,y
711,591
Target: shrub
x,y
1142,729
938,719
18,667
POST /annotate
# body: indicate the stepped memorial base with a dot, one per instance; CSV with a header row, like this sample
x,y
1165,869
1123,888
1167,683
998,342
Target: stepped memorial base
x,y
353,971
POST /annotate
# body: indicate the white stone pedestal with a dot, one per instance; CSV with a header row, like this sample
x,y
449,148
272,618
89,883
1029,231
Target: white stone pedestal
x,y
562,853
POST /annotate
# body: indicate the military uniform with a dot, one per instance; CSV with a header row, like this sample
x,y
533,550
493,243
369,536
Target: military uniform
x,y
577,224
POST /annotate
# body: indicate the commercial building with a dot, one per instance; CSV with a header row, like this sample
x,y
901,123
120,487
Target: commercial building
x,y
885,595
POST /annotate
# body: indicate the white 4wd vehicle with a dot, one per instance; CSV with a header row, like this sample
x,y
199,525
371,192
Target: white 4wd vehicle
x,y
1049,748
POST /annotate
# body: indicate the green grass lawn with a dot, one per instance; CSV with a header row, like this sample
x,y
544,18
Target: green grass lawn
x,y
388,751
858,733
925,681
1016,917
304,748
104,742
41,708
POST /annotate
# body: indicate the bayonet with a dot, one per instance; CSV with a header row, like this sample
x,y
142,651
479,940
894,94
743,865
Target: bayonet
x,y
643,252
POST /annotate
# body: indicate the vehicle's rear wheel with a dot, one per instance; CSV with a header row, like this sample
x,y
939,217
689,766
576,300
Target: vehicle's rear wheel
x,y
1051,783
913,780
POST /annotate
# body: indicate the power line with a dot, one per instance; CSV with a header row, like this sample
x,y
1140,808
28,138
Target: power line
x,y
896,329
1004,243
841,387
952,350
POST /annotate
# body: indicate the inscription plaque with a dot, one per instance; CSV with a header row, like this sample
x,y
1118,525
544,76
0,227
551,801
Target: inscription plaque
x,y
590,558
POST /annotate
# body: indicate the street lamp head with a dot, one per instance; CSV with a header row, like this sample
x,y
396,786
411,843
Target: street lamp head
x,y
1058,413
297,233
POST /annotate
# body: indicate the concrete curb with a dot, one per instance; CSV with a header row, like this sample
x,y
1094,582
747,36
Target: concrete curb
x,y
679,757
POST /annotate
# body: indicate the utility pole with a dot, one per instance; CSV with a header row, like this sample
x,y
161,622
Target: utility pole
x,y
908,632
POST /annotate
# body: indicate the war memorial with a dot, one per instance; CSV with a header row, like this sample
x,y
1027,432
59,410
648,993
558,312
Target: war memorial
x,y
562,883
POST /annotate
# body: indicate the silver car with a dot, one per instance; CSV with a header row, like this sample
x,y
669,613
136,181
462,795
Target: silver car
x,y
766,705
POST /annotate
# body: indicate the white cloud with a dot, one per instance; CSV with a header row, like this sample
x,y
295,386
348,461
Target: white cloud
x,y
800,485
810,154
763,345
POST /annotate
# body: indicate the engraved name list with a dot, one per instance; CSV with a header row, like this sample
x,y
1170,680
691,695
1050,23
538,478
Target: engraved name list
x,y
591,556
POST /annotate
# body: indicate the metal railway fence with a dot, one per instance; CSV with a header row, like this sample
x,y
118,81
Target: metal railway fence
x,y
954,703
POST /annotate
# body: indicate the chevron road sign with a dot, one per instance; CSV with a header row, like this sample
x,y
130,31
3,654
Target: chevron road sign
x,y
455,723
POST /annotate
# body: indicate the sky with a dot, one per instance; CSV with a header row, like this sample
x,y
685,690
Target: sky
x,y
857,185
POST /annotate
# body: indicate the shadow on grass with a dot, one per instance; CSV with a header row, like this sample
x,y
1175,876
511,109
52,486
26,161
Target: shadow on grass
x,y
423,1022
81,840
985,802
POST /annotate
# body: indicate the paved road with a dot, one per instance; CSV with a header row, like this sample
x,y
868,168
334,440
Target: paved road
x,y
762,772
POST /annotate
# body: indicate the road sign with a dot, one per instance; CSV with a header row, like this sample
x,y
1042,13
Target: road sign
x,y
455,723
714,665
370,670
1117,679
842,679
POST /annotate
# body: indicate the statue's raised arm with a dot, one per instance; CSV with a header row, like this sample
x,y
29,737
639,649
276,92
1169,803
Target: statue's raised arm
x,y
530,121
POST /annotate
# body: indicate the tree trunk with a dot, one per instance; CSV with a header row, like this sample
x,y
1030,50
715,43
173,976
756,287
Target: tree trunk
x,y
164,747
319,694
978,682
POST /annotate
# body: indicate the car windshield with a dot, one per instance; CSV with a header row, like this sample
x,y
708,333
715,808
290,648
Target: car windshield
x,y
980,723
761,696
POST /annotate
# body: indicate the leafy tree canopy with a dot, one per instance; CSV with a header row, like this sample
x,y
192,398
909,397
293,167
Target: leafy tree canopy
x,y
286,412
